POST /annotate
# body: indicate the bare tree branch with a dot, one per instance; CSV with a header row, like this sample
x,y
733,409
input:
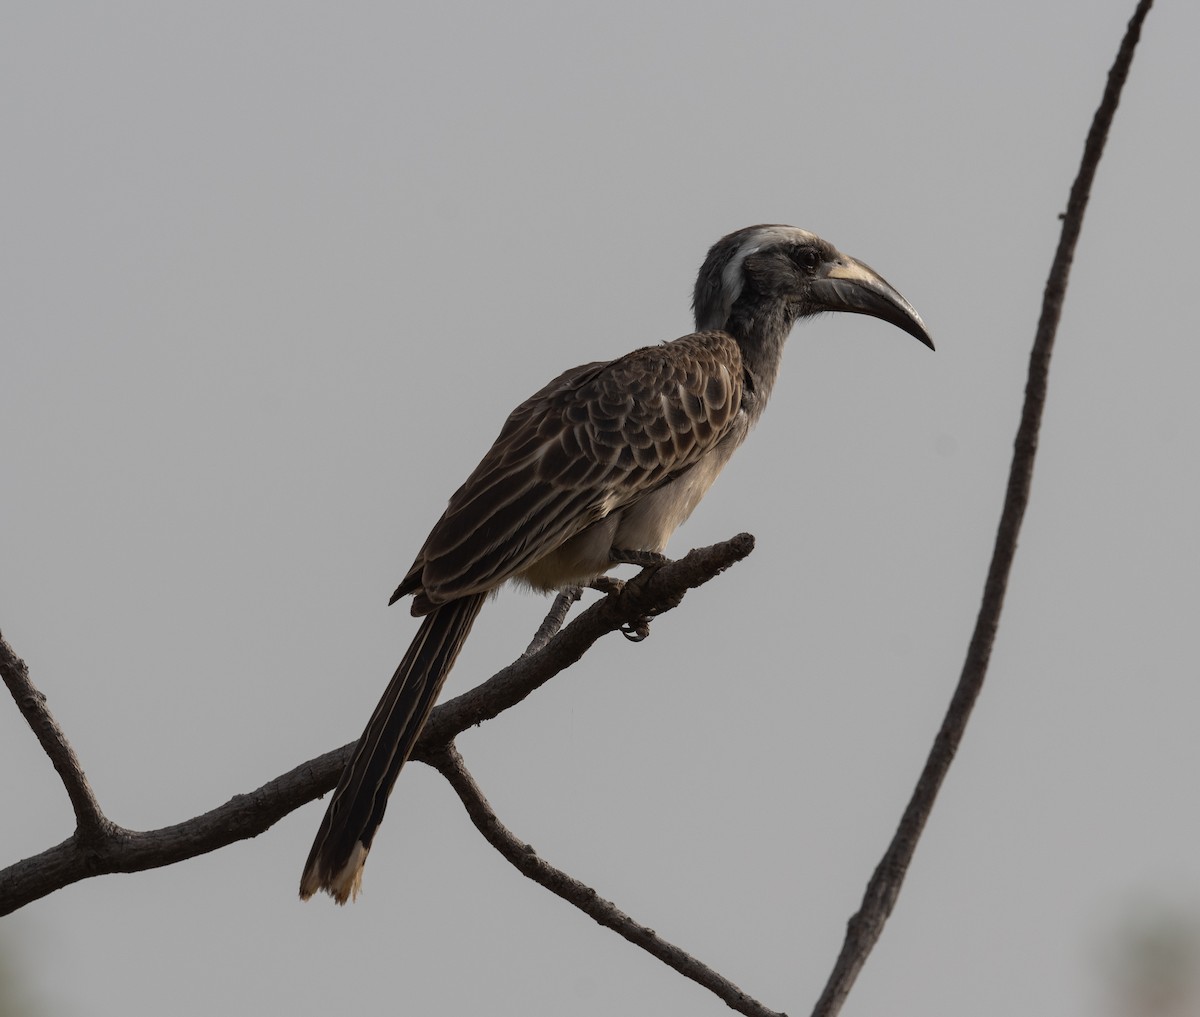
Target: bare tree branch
x,y
525,859
884,887
100,846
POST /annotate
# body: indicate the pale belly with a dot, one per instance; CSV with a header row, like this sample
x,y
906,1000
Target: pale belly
x,y
644,525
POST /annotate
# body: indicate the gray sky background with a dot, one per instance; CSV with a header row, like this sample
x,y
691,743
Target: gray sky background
x,y
274,273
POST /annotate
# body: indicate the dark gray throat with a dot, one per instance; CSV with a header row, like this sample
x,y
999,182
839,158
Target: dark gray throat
x,y
761,331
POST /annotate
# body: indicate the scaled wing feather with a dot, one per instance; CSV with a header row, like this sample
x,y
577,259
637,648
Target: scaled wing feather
x,y
592,441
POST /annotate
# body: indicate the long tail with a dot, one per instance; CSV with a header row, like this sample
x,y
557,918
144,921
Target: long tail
x,y
355,811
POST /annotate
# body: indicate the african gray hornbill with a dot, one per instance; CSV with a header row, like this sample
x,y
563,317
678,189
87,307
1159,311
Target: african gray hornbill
x,y
602,463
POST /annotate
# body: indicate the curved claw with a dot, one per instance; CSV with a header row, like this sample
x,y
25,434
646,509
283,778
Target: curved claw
x,y
635,633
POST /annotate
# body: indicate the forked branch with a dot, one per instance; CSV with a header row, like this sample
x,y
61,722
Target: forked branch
x,y
99,846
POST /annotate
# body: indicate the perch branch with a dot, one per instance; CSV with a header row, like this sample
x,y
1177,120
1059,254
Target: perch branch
x,y
653,591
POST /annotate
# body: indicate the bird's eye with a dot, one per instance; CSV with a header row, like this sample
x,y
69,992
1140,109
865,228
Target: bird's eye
x,y
807,257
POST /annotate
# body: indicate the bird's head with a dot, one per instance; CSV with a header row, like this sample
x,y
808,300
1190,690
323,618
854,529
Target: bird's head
x,y
767,271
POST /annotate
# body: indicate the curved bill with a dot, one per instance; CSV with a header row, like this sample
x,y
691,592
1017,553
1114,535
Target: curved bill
x,y
849,285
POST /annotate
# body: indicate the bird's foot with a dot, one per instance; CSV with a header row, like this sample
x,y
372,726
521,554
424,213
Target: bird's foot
x,y
637,630
611,586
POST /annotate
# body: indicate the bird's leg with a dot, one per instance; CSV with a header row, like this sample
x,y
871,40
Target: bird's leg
x,y
638,630
607,585
554,619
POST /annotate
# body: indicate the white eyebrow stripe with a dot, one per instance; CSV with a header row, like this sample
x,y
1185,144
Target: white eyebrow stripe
x,y
731,276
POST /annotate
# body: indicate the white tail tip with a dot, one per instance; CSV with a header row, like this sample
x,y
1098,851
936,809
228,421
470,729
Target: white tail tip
x,y
344,885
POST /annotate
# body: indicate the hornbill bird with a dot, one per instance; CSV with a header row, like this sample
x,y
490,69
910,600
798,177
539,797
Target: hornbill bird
x,y
595,469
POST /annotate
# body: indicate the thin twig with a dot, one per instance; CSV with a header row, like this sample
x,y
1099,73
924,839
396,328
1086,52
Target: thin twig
x,y
449,764
91,824
865,927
